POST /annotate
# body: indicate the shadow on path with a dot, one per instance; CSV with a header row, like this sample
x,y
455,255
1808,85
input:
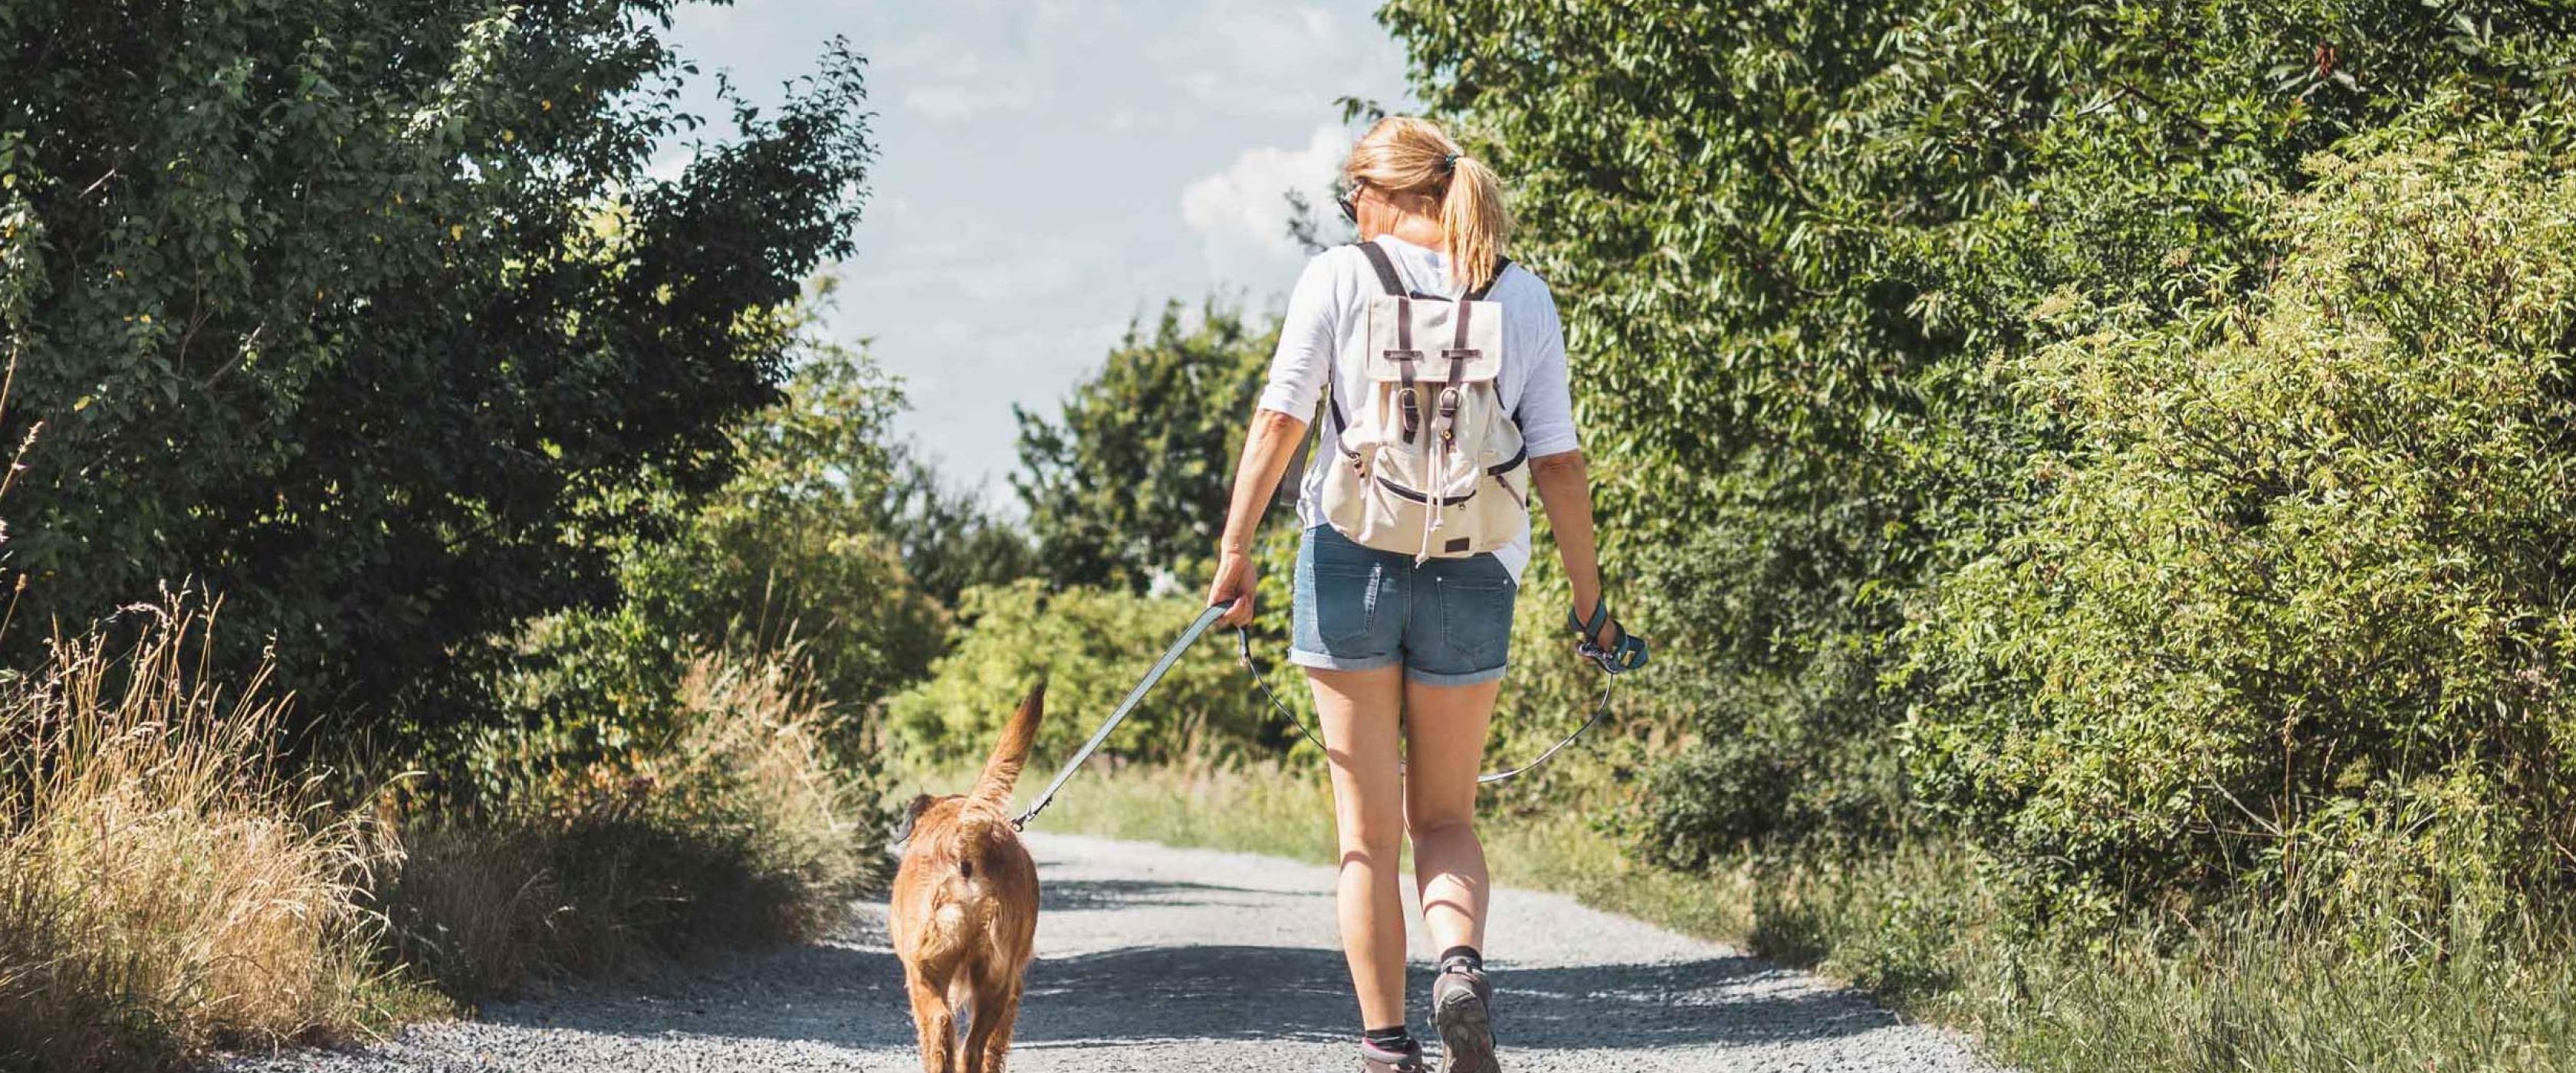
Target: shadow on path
x,y
852,996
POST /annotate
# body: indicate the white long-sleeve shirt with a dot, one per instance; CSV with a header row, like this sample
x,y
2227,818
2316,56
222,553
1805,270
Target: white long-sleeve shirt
x,y
1326,327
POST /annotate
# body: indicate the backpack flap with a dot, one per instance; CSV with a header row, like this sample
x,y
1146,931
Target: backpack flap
x,y
1443,341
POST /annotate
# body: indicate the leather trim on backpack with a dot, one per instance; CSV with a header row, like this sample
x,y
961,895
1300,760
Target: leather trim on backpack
x,y
1387,277
1403,492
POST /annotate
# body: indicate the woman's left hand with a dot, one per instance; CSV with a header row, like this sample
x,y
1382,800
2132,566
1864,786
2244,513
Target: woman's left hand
x,y
1233,588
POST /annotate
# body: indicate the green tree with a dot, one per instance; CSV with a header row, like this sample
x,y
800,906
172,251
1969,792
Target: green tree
x,y
795,549
1130,482
2296,601
950,538
369,316
1089,645
1791,240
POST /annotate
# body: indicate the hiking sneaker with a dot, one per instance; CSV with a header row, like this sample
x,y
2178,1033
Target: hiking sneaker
x,y
1462,1003
1377,1059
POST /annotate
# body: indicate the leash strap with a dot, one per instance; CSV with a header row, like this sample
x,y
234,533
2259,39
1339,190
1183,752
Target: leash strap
x,y
1491,777
1243,646
1170,656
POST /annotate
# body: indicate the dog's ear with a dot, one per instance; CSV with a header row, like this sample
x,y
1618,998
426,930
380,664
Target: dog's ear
x,y
911,815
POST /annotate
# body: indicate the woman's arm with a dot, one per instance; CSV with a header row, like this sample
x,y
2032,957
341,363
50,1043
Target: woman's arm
x,y
1267,447
1565,486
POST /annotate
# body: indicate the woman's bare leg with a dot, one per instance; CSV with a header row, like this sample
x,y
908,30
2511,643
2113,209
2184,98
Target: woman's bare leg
x,y
1445,743
1360,710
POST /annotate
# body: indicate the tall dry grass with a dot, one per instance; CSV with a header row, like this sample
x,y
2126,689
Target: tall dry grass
x,y
735,829
167,890
161,891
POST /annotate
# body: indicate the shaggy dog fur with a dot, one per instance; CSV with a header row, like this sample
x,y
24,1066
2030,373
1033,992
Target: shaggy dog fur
x,y
965,910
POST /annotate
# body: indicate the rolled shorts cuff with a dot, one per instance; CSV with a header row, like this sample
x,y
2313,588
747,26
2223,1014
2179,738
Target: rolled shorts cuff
x,y
1326,662
1468,678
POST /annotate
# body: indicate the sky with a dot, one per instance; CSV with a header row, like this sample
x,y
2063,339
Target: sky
x,y
1051,170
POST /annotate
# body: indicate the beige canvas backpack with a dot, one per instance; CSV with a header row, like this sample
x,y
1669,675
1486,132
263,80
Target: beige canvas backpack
x,y
1429,461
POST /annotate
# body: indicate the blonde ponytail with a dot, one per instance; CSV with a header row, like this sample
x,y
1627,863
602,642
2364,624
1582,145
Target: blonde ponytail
x,y
1411,155
1473,221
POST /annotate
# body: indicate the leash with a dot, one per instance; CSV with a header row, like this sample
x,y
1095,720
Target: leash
x,y
1170,656
1628,653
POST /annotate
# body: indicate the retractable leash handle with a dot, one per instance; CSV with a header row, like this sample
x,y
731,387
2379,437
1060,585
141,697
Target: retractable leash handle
x,y
1170,656
1618,657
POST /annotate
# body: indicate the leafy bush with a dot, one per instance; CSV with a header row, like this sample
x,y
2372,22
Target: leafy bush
x,y
2294,609
1090,646
799,546
800,552
1778,762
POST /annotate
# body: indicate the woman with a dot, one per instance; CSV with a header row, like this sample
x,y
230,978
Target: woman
x,y
1426,658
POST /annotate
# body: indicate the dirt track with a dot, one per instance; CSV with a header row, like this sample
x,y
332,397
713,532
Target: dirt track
x,y
1153,958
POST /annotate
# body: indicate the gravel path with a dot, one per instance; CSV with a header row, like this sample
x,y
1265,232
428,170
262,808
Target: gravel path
x,y
1154,958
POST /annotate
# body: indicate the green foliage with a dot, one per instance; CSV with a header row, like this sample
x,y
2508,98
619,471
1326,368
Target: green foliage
x,y
798,554
796,548
2295,605
1789,236
950,539
1090,646
1131,481
369,317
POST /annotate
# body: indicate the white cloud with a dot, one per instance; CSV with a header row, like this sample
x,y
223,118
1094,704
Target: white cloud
x,y
1241,213
942,78
1033,156
970,258
1237,56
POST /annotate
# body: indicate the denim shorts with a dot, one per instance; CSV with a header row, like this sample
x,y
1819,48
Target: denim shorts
x,y
1448,622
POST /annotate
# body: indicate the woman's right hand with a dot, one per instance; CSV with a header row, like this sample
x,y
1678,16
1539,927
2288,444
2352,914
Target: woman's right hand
x,y
1610,645
1233,588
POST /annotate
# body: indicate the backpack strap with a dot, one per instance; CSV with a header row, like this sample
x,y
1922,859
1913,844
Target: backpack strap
x,y
1393,282
1501,265
1386,274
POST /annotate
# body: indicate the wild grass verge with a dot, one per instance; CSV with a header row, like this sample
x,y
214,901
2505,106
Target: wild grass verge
x,y
168,889
163,890
1920,927
736,829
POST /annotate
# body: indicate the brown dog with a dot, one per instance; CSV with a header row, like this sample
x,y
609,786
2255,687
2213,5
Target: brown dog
x,y
965,910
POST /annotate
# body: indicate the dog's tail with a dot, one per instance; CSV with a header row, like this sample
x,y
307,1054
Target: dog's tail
x,y
1002,769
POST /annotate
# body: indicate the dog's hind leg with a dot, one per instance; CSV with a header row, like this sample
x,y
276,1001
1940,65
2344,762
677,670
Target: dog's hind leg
x,y
988,1043
936,1025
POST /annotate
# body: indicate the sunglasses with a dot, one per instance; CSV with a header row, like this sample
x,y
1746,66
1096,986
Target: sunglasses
x,y
1348,200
